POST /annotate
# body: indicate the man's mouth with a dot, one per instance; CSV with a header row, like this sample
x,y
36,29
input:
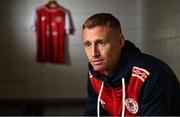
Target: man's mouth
x,y
97,62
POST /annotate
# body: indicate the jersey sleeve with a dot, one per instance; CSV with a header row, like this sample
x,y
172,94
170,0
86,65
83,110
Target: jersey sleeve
x,y
69,28
34,19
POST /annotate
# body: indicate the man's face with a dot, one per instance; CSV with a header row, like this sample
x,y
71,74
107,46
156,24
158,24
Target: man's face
x,y
103,47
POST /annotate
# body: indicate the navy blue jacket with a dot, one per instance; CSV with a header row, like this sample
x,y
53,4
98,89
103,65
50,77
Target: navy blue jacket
x,y
158,95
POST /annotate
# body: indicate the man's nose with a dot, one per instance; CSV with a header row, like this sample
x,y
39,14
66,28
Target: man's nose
x,y
95,51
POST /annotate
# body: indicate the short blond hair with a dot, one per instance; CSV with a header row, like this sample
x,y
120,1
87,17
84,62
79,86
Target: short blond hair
x,y
102,19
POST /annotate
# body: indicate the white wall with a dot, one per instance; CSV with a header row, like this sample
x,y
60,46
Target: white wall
x,y
161,30
22,77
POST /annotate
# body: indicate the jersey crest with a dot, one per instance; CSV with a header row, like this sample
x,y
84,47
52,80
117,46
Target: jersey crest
x,y
58,19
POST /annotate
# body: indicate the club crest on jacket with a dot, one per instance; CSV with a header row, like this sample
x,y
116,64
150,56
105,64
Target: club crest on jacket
x,y
131,105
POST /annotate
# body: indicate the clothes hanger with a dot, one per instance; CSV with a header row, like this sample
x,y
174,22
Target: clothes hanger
x,y
52,3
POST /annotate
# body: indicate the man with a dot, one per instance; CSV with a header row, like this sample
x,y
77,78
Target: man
x,y
123,81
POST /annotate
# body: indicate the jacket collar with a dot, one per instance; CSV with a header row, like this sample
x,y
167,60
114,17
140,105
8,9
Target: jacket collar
x,y
129,56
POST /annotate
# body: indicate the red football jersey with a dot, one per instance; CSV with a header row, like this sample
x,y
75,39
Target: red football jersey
x,y
51,26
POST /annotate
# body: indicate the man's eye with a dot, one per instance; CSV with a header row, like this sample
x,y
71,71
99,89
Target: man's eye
x,y
102,43
87,45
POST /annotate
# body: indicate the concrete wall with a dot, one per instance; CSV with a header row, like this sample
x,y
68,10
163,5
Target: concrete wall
x,y
21,77
161,30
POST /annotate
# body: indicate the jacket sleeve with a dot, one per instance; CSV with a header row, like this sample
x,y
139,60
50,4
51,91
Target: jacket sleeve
x,y
91,102
159,94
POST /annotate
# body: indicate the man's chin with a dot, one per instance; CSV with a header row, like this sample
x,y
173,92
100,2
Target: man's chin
x,y
97,68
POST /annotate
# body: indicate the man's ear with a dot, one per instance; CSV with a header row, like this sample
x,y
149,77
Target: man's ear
x,y
122,40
